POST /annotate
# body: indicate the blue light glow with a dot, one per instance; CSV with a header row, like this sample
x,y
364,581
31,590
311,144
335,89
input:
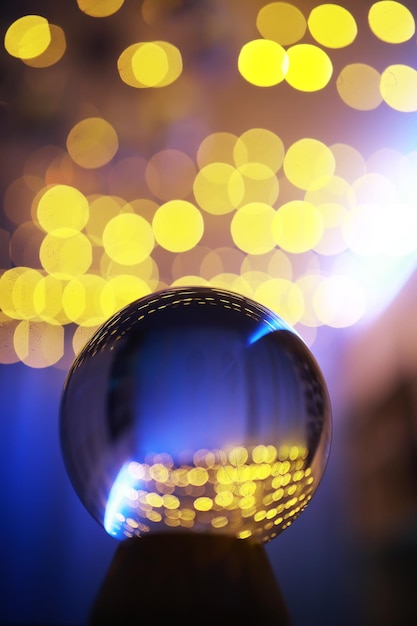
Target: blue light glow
x,y
121,486
383,277
267,327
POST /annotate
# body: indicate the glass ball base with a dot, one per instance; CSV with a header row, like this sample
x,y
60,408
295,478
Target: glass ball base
x,y
192,579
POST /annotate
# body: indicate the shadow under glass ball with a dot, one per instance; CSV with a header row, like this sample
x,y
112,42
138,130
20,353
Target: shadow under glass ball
x,y
195,409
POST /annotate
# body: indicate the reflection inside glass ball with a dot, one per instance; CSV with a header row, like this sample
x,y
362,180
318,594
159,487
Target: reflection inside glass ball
x,y
195,409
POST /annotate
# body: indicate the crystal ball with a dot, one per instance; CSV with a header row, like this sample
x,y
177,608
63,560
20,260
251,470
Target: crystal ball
x,y
195,410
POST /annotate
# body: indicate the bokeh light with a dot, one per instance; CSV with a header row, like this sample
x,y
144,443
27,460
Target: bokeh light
x,y
251,228
309,67
65,257
263,62
150,64
279,154
128,239
259,145
297,226
358,85
92,142
99,9
219,188
281,22
178,225
332,25
28,37
399,87
308,162
54,51
391,21
62,210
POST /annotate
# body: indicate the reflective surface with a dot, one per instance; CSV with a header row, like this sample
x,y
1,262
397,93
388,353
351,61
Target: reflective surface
x,y
195,408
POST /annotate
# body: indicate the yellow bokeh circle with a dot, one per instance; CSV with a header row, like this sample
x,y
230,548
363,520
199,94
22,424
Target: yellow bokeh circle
x,y
218,188
282,22
332,25
391,22
99,8
53,53
259,145
399,87
24,292
216,147
92,142
81,300
251,228
38,344
309,69
358,85
28,37
297,226
66,257
178,225
128,238
307,162
263,62
62,210
8,281
150,64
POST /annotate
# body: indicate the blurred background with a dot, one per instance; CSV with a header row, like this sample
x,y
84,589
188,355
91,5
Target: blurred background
x,y
265,148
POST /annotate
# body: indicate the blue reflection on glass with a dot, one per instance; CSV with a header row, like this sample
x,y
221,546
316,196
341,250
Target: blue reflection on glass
x,y
121,485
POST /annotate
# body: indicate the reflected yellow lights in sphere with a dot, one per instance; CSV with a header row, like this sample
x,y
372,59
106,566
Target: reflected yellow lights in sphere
x,y
247,499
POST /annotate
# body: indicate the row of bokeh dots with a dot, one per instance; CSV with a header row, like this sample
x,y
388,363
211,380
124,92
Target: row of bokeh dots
x,y
247,497
286,219
278,55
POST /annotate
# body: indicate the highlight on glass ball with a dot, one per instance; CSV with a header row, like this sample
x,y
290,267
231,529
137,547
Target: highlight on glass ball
x,y
195,410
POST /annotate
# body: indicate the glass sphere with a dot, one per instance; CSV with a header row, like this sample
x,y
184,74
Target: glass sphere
x,y
195,409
